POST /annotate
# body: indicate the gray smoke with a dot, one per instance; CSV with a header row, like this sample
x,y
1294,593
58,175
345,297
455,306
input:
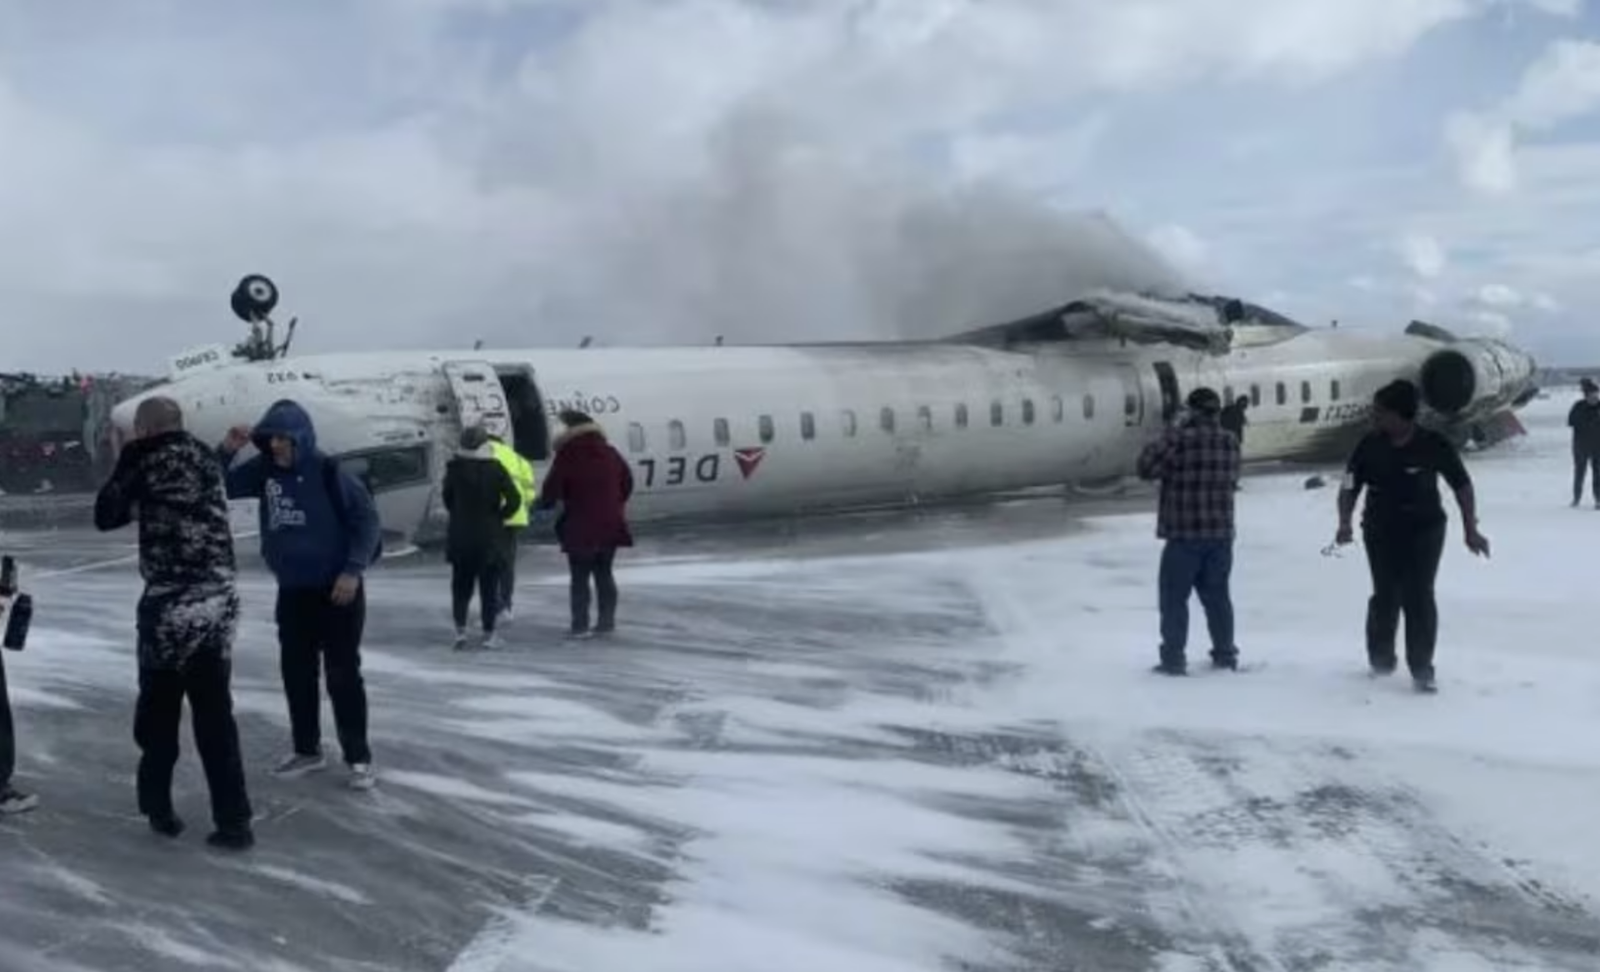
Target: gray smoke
x,y
790,238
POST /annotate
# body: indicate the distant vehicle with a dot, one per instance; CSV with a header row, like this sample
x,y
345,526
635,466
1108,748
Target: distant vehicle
x,y
1065,397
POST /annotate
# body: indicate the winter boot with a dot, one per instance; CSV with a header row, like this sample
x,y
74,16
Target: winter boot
x,y
232,838
166,824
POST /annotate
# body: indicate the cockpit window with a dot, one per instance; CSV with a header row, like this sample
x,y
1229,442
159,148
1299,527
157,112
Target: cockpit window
x,y
382,470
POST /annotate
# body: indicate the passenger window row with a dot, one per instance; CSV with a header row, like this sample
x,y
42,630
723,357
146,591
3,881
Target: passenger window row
x,y
766,429
1281,393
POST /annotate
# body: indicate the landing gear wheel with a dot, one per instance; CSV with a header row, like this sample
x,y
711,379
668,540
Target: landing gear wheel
x,y
255,298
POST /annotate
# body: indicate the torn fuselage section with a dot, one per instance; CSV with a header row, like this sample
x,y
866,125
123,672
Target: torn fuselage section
x,y
1197,322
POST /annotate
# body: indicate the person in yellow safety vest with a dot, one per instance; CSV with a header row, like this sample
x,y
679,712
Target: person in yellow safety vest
x,y
522,475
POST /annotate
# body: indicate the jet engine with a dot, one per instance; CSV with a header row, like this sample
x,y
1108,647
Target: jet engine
x,y
1474,378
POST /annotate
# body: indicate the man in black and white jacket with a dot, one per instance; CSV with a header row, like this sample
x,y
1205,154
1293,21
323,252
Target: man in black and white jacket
x,y
186,618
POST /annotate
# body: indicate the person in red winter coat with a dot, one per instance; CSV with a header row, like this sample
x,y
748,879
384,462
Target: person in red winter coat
x,y
592,482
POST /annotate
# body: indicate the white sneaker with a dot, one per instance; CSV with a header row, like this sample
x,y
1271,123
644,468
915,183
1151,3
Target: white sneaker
x,y
461,639
362,776
492,641
296,764
506,615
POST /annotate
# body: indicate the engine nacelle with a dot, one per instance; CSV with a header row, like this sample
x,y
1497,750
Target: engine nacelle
x,y
1475,377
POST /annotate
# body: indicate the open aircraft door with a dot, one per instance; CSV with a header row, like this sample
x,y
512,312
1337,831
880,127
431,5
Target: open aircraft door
x,y
479,397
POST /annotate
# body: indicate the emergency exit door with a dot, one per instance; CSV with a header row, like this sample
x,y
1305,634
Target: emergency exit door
x,y
480,400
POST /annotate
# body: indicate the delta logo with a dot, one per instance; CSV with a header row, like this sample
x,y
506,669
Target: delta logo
x,y
749,460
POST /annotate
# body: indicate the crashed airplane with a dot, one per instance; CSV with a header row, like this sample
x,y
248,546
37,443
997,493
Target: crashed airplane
x,y
1064,397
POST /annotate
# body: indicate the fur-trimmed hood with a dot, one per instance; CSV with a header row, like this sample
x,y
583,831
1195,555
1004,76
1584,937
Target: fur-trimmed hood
x,y
588,428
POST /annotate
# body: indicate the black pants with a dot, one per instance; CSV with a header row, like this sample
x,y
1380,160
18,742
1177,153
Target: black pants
x,y
487,576
205,682
583,567
1583,462
1404,563
315,634
508,569
8,739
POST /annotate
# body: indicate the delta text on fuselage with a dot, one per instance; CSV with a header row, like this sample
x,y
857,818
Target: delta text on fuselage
x,y
1064,397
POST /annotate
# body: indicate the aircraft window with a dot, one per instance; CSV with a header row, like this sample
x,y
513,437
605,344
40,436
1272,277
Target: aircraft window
x,y
635,437
1088,406
997,413
961,415
1255,396
386,469
1227,395
1130,404
925,418
676,437
1333,390
766,429
886,419
1027,411
847,421
719,429
1283,393
1305,392
808,426
1058,408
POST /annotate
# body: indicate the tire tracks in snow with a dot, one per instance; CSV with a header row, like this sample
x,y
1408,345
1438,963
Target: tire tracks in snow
x,y
1283,857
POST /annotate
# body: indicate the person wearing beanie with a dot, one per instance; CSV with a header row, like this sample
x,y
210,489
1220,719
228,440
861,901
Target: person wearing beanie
x,y
1197,464
1398,465
479,494
1584,420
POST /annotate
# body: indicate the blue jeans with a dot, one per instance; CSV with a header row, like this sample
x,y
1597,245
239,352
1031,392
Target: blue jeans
x,y
1201,566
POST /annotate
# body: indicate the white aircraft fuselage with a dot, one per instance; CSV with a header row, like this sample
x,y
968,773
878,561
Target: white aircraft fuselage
x,y
779,430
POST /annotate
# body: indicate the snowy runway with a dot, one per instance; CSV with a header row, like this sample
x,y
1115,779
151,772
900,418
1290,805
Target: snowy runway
x,y
949,756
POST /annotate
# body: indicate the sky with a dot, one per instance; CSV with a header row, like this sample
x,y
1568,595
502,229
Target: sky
x,y
425,173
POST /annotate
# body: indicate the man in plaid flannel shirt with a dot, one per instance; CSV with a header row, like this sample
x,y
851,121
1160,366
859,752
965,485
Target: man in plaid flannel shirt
x,y
1197,462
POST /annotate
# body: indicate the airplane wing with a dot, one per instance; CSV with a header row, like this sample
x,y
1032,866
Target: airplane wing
x,y
1201,325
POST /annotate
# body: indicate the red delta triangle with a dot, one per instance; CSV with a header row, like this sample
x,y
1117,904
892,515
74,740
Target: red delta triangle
x,y
749,459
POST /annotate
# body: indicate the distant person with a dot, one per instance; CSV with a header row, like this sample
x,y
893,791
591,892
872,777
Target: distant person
x,y
479,494
593,483
12,800
319,534
186,619
521,472
1197,463
1233,418
1584,420
1398,464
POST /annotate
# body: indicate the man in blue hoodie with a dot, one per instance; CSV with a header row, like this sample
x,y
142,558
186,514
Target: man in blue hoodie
x,y
319,533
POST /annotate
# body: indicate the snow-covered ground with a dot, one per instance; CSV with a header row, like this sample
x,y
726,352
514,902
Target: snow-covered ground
x,y
949,757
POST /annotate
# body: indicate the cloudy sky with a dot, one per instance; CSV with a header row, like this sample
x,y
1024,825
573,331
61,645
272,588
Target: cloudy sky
x,y
427,172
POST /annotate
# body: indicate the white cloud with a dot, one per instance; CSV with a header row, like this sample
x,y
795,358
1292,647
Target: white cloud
x,y
1562,85
1499,295
1423,254
1484,151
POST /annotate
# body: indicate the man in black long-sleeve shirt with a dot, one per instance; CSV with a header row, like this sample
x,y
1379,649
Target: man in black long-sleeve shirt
x,y
1584,420
1399,465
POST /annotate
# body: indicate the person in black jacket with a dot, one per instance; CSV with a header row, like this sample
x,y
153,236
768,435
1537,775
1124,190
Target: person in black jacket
x,y
1584,420
480,495
186,619
1399,465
